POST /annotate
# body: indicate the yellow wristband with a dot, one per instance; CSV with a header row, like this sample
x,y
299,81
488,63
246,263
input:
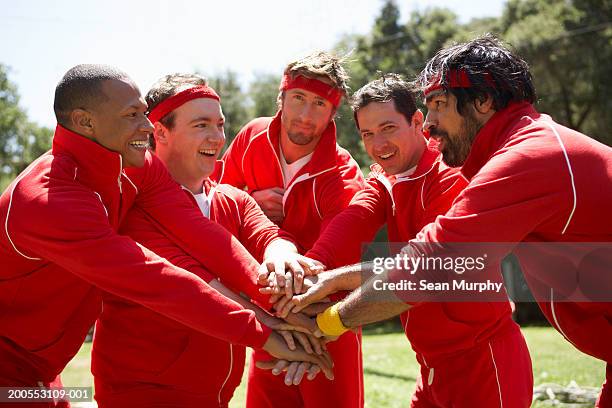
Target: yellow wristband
x,y
329,322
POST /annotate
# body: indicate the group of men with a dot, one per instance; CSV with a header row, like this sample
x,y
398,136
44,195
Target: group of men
x,y
182,260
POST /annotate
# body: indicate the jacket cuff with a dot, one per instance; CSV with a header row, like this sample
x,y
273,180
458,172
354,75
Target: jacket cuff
x,y
317,256
257,336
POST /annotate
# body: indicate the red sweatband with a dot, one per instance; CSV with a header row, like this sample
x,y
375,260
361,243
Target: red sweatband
x,y
457,78
168,105
329,92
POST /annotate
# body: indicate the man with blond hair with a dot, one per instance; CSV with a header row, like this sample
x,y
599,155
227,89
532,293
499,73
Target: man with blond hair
x,y
292,166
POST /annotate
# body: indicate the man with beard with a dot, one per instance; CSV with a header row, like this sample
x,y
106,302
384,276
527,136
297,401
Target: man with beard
x,y
408,188
292,166
534,186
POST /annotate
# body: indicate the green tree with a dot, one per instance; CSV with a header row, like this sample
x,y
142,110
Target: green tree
x,y
21,141
263,93
390,47
234,102
569,47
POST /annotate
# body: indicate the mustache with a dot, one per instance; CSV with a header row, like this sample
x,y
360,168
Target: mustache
x,y
438,132
302,124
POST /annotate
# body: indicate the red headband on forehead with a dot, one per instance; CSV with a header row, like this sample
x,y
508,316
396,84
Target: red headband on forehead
x,y
457,78
329,92
168,105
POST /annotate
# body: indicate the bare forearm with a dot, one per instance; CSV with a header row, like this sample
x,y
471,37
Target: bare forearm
x,y
348,277
367,305
225,291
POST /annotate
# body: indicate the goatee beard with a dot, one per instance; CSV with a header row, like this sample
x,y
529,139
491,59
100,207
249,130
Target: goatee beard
x,y
299,138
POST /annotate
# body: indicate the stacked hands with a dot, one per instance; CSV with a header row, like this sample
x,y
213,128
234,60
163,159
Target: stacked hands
x,y
299,291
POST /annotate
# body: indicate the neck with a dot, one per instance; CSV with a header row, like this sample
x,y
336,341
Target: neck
x,y
292,151
195,184
419,149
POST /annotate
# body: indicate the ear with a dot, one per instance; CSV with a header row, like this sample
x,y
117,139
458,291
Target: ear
x,y
280,99
82,122
417,119
160,133
332,116
484,106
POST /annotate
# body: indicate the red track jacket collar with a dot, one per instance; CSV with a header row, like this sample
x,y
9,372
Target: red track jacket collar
x,y
215,177
323,157
492,135
98,168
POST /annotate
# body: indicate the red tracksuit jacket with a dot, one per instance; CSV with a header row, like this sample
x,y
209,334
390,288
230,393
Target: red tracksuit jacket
x,y
435,330
59,246
320,190
134,345
533,180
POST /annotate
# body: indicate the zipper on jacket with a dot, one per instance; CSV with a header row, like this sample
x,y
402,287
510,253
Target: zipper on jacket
x,y
385,182
120,171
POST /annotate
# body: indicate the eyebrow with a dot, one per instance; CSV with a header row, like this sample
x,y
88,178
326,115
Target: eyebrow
x,y
387,122
205,119
137,106
432,95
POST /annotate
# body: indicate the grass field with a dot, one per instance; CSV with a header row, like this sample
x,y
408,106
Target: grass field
x,y
390,369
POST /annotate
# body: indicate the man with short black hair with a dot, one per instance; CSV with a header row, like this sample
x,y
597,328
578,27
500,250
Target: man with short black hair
x,y
61,249
536,187
408,187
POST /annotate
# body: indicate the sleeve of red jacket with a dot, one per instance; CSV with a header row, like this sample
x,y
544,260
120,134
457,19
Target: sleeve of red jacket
x,y
208,242
340,243
337,190
232,158
82,241
504,202
139,227
256,230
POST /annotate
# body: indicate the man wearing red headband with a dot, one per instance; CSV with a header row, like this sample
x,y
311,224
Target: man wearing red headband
x,y
301,178
408,188
60,246
536,188
188,136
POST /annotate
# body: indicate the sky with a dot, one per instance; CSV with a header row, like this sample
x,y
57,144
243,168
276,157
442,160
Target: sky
x,y
42,39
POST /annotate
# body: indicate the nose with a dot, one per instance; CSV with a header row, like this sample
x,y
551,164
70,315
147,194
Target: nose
x,y
216,136
379,141
146,126
429,122
305,113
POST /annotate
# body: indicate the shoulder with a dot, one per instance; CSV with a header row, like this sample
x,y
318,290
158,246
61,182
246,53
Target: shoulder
x,y
254,128
49,174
